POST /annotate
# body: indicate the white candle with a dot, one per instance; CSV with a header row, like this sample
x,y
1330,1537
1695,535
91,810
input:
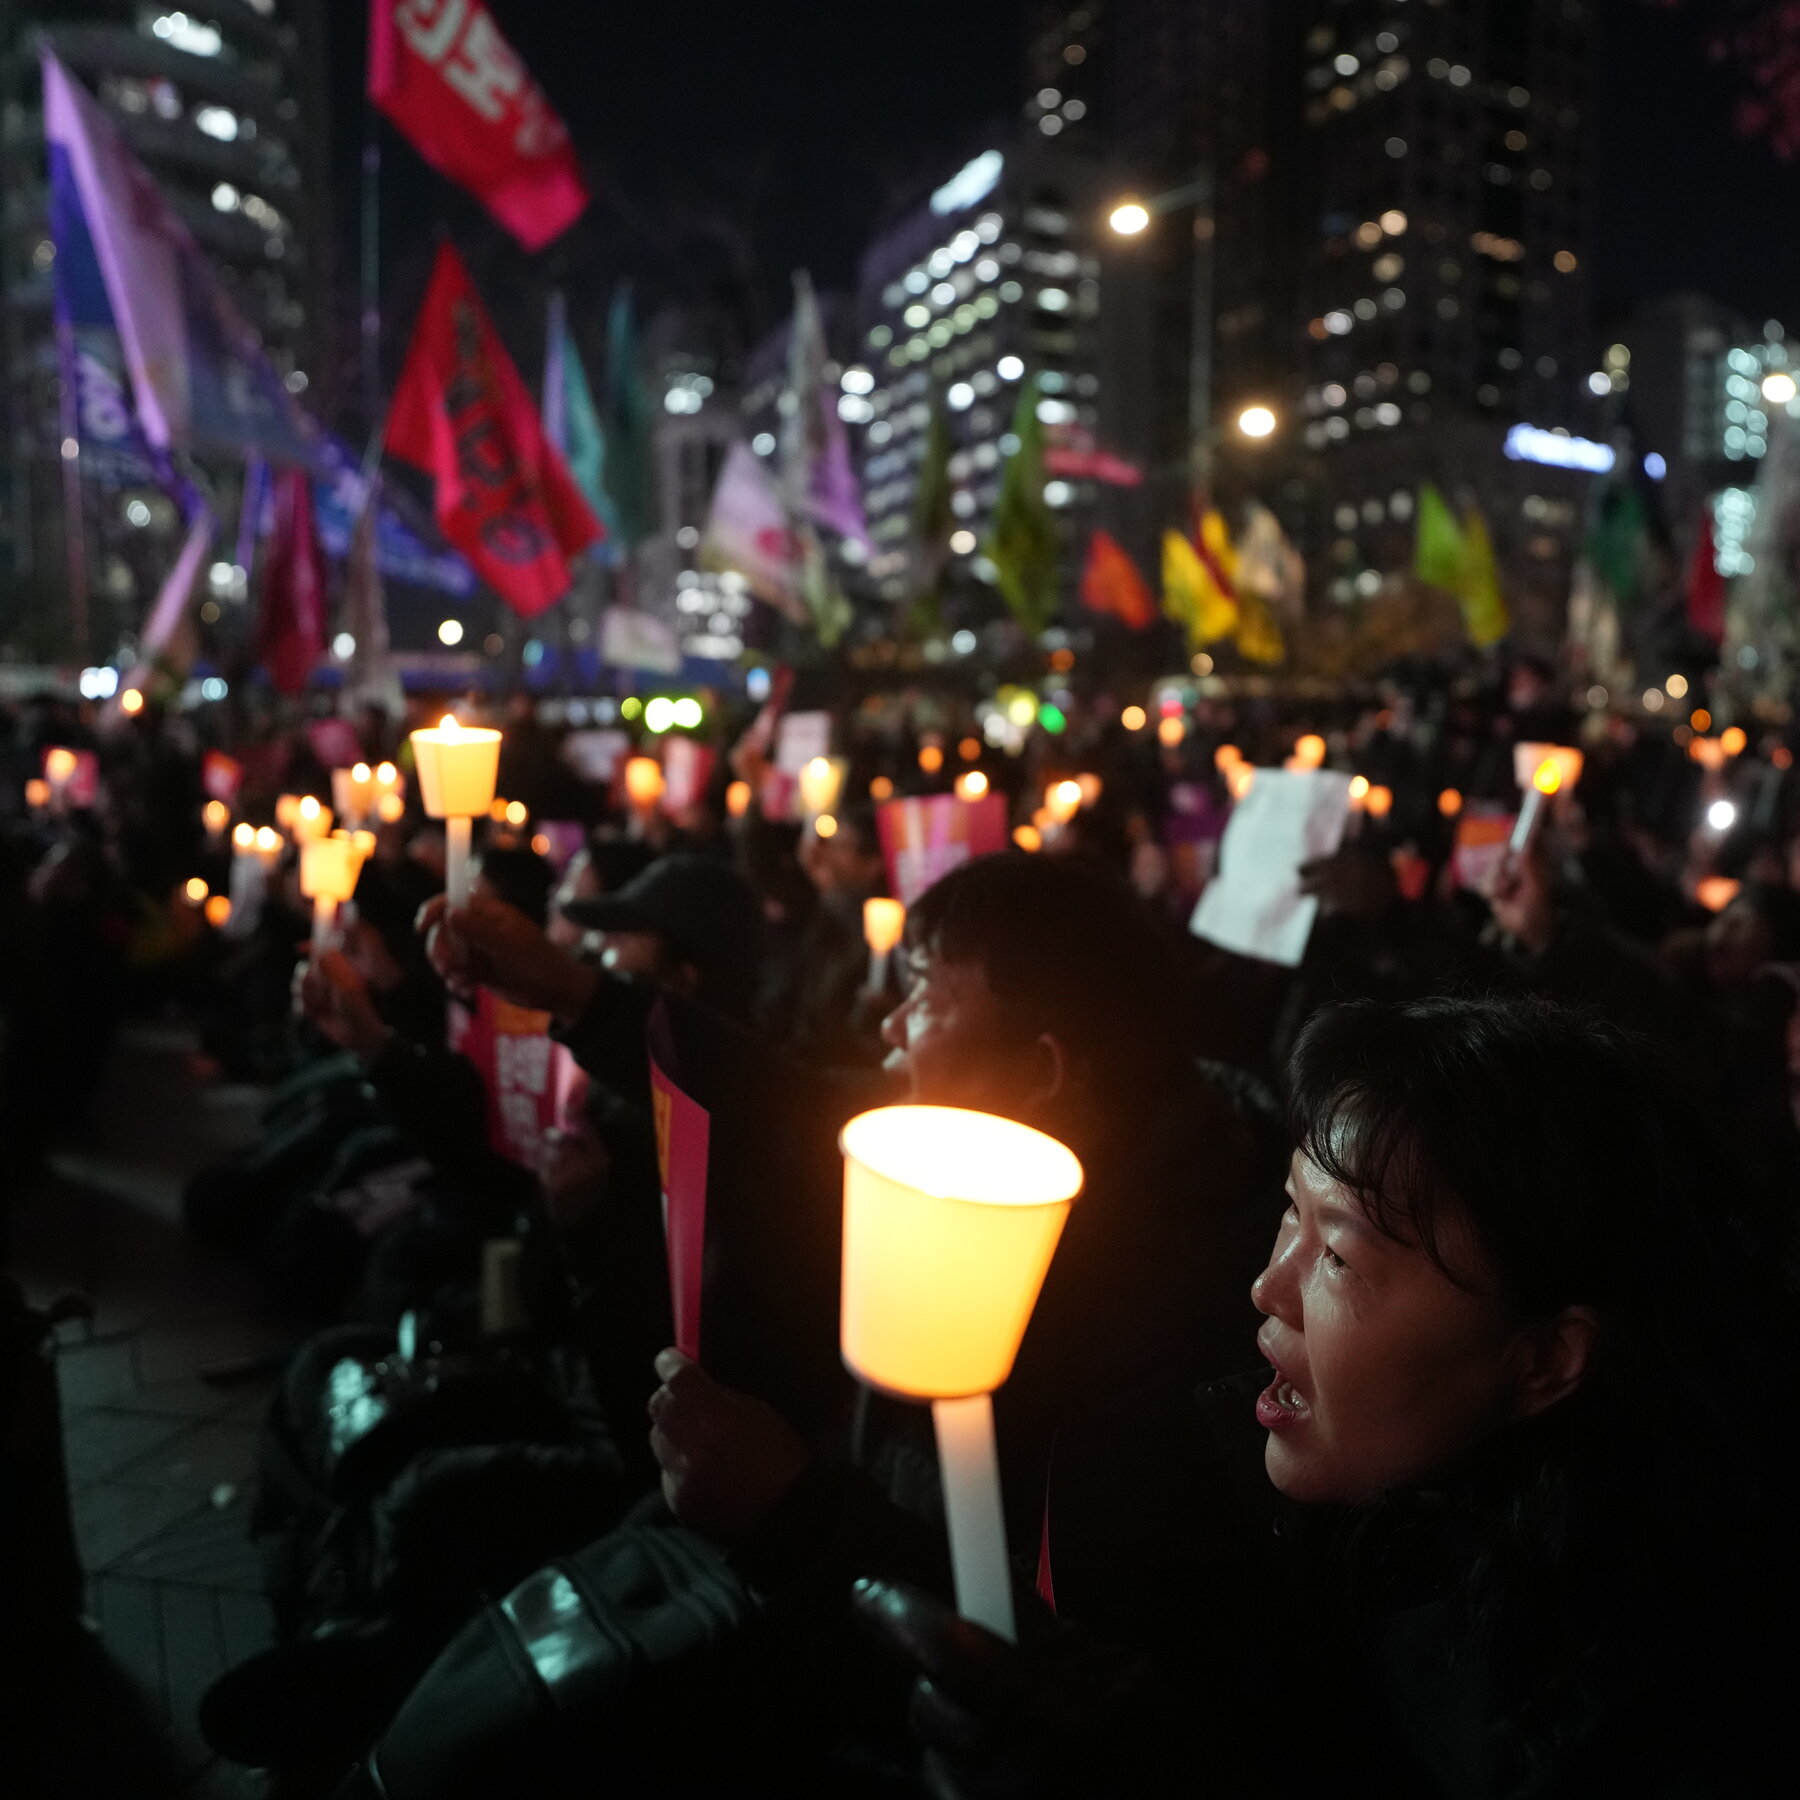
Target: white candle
x,y
458,766
1543,784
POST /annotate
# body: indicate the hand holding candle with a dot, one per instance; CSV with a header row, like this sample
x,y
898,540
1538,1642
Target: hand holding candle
x,y
458,766
329,867
950,1221
1545,783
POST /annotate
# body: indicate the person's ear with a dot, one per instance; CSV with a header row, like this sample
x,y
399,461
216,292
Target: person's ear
x,y
1557,1355
1050,1069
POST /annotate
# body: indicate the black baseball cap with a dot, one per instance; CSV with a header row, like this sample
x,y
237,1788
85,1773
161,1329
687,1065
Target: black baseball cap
x,y
703,909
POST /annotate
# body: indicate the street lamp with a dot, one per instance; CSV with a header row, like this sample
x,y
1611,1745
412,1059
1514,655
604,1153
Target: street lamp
x,y
1256,422
1131,216
1779,387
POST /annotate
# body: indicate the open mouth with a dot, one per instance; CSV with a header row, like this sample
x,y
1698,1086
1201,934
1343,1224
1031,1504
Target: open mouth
x,y
1280,1404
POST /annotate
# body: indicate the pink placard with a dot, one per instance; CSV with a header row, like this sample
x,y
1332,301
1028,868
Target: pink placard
x,y
924,839
1482,835
517,1060
683,1131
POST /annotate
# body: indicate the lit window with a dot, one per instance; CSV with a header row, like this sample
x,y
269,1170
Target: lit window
x,y
225,198
180,32
1053,300
217,122
960,397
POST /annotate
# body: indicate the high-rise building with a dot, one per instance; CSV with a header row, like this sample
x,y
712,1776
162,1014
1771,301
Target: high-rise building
x,y
1444,285
990,278
225,106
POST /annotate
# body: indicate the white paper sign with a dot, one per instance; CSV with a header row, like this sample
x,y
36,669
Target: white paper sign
x,y
1254,905
799,738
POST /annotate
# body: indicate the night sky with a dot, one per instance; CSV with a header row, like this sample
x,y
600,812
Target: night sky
x,y
730,142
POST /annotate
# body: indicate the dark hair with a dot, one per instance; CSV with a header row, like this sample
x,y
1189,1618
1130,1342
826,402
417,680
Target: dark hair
x,y
1069,949
1618,1529
521,878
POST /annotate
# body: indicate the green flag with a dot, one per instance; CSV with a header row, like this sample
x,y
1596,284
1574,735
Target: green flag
x,y
631,481
1438,547
1022,542
572,421
1483,607
1615,545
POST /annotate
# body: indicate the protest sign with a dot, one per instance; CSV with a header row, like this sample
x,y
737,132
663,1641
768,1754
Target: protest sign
x,y
1254,905
923,839
683,1129
519,1064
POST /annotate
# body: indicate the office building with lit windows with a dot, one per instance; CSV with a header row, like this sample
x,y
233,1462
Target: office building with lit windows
x,y
225,105
990,279
1444,285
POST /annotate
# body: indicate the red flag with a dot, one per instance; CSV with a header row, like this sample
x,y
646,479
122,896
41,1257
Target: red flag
x,y
290,635
445,76
505,498
1111,584
1705,585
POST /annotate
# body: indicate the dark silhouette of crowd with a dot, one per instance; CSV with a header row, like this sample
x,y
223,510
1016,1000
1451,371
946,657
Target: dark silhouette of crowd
x,y
1402,1412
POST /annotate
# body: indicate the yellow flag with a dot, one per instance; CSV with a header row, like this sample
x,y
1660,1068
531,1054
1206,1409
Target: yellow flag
x,y
1192,595
1259,638
1483,606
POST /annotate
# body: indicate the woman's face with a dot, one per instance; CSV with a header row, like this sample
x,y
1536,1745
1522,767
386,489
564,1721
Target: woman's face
x,y
1386,1370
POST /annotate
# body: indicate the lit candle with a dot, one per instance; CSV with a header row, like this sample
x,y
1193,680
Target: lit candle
x,y
309,820
286,806
737,799
215,815
269,846
972,786
59,770
1091,787
218,911
196,890
1240,780
884,924
1379,801
458,766
950,1221
37,793
645,783
1062,800
353,792
1309,752
821,781
1543,784
329,867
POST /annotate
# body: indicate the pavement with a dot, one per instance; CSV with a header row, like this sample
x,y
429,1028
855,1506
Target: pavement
x,y
163,1391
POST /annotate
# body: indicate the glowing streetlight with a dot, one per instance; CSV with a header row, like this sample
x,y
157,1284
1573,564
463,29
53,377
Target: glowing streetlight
x,y
1779,387
1129,217
1256,422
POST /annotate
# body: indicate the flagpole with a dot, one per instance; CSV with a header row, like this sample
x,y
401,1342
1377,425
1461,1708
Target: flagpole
x,y
74,516
371,264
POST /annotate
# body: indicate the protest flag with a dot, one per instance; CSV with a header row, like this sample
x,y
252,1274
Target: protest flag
x,y
571,420
1193,595
290,634
1111,584
747,530
1705,585
815,447
1022,541
626,422
461,413
458,92
1438,549
1483,606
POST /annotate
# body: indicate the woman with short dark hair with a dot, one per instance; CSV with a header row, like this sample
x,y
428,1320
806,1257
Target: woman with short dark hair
x,y
1527,1522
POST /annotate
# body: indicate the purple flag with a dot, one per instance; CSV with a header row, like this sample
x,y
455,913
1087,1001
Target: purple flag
x,y
815,451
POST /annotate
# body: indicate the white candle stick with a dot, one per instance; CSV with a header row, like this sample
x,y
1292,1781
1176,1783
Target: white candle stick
x,y
458,870
970,1466
1543,784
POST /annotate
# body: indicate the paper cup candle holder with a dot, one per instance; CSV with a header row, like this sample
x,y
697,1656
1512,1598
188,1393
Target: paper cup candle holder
x,y
884,924
329,867
457,767
950,1221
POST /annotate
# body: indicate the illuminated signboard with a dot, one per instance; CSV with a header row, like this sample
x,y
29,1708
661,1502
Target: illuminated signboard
x,y
1527,443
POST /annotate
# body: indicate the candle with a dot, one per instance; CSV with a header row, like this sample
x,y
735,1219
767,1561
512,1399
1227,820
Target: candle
x,y
1226,758
1309,752
243,840
353,792
1379,801
1028,837
390,809
269,846
1716,892
218,911
309,820
1091,787
950,1221
931,758
285,807
884,924
1240,780
1062,800
1529,758
196,890
516,813
1543,784
737,799
1450,803
972,786
645,783
59,770
457,766
37,793
215,815
329,867
821,781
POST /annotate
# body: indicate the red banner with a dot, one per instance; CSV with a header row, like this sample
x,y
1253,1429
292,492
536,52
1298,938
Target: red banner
x,y
445,76
291,632
505,497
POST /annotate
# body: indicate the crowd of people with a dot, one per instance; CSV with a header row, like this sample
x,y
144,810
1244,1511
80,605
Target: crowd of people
x,y
1384,1423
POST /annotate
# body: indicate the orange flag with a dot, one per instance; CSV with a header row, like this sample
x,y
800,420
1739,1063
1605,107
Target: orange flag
x,y
1111,584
